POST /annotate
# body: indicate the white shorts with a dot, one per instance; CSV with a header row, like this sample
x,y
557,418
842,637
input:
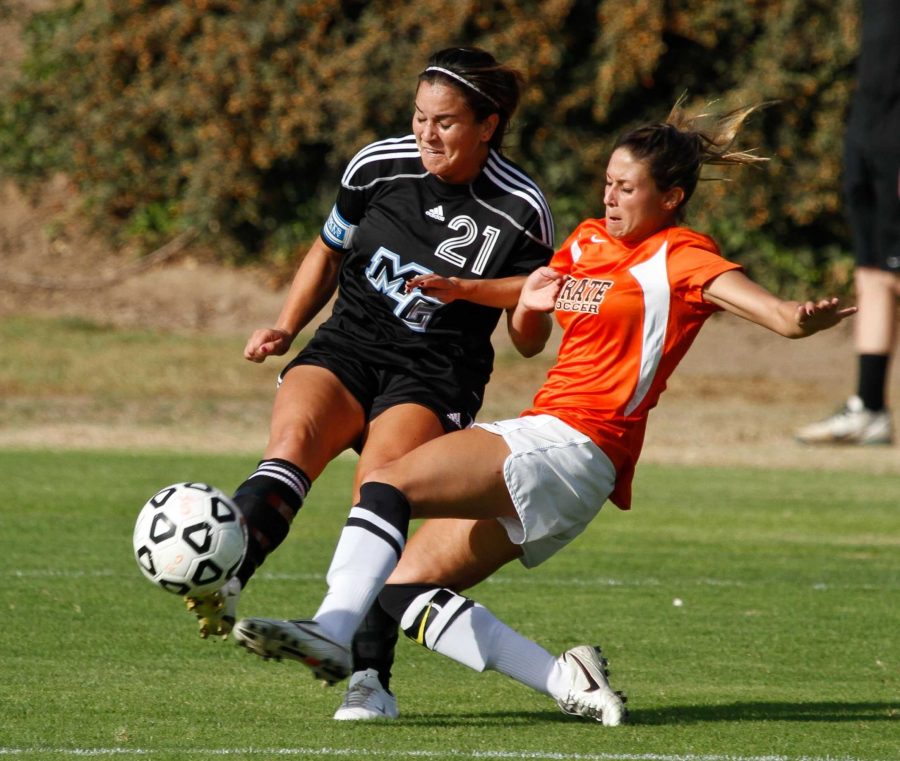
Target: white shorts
x,y
558,480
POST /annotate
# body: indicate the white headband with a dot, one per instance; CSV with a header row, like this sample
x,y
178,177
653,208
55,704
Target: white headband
x,y
465,81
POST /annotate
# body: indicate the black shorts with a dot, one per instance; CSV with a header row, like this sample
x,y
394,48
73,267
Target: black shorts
x,y
872,197
378,388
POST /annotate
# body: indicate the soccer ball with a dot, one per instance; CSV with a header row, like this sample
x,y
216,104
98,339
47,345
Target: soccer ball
x,y
189,538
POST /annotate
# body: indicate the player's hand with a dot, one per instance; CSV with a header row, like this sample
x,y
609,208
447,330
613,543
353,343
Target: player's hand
x,y
444,289
265,342
813,316
541,289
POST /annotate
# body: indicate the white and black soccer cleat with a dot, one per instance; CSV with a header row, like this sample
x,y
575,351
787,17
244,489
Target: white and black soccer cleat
x,y
589,694
366,699
302,641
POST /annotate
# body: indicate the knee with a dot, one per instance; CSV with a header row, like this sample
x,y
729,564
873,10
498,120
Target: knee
x,y
302,440
379,474
291,432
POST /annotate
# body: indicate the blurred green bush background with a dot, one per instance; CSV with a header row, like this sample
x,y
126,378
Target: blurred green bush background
x,y
235,117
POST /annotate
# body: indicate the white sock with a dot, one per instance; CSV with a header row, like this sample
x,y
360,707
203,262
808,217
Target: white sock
x,y
366,554
516,656
470,634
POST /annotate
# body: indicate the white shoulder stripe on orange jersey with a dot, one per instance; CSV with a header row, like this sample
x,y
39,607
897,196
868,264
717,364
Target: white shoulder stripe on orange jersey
x,y
576,251
653,277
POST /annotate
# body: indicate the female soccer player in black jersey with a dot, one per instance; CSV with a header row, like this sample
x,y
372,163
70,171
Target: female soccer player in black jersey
x,y
430,239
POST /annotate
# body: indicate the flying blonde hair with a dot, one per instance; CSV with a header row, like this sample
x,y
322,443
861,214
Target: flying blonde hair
x,y
677,149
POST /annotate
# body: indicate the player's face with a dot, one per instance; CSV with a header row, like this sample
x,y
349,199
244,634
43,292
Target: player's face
x,y
453,145
635,207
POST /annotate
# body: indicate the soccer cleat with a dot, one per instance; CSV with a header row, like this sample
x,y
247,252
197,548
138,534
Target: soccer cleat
x,y
851,424
216,611
302,641
366,699
589,692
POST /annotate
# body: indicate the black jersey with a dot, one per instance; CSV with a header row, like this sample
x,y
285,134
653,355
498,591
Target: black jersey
x,y
393,220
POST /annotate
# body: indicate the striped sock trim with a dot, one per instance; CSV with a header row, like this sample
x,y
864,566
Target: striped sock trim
x,y
285,472
375,524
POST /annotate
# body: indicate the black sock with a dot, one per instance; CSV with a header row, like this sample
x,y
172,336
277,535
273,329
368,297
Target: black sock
x,y
374,642
872,380
269,499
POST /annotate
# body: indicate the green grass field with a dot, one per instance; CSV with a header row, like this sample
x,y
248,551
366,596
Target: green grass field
x,y
785,647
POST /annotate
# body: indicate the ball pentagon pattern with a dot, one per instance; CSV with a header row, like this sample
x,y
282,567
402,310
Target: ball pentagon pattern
x,y
189,538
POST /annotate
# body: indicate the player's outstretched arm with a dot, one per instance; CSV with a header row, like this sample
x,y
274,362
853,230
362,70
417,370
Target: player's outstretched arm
x,y
502,293
529,333
738,294
312,287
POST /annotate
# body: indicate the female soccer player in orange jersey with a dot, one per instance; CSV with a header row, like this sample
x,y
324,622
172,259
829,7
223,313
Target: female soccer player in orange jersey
x,y
630,291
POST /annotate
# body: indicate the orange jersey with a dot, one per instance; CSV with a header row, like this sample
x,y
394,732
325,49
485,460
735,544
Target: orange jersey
x,y
628,316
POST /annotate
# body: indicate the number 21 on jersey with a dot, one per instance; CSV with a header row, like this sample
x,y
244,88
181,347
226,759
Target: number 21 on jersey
x,y
449,249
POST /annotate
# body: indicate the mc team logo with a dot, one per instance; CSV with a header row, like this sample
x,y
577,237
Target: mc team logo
x,y
582,295
388,276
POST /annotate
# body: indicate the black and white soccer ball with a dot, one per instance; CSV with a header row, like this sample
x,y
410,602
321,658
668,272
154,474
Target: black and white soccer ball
x,y
189,538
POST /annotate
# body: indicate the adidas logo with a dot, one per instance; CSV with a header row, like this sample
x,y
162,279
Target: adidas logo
x,y
436,213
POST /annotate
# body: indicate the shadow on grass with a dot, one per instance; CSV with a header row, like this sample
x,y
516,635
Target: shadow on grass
x,y
766,711
758,711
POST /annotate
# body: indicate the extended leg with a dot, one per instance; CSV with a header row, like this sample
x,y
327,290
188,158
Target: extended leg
x,y
375,535
445,621
313,420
